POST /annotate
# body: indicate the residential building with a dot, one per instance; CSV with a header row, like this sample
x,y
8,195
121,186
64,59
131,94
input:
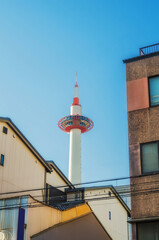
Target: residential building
x,y
22,168
26,218
33,196
142,75
85,226
108,207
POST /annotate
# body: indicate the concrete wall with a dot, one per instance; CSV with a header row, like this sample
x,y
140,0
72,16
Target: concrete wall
x,y
117,227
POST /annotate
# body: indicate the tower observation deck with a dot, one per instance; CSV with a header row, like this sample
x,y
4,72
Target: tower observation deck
x,y
75,124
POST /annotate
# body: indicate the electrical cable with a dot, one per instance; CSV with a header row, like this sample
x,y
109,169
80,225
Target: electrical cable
x,y
91,182
106,197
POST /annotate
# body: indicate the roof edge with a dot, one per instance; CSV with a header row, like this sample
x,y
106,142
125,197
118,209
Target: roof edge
x,y
115,193
26,142
62,175
121,200
134,59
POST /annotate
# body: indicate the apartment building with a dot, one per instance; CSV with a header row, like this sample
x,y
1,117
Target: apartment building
x,y
142,78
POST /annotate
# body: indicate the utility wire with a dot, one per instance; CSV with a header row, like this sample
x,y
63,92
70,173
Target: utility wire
x,y
79,184
95,197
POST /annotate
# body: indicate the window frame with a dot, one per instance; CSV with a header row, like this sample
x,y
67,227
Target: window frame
x,y
137,227
150,105
141,158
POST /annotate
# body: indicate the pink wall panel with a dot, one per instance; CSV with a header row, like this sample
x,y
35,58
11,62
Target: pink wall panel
x,y
137,94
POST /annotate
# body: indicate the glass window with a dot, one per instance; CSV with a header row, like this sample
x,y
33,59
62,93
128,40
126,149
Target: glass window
x,y
109,215
147,231
9,218
5,130
9,211
150,157
154,90
2,160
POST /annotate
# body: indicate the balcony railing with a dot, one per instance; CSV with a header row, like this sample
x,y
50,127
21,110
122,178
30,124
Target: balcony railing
x,y
149,49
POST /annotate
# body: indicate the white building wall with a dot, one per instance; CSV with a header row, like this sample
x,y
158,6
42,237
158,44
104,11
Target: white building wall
x,y
55,180
117,227
21,170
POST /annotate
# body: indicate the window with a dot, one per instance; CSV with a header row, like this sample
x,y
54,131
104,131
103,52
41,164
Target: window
x,y
147,231
154,90
2,160
5,130
109,215
150,157
9,217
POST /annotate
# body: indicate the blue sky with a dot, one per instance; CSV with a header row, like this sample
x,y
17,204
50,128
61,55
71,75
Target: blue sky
x,y
43,44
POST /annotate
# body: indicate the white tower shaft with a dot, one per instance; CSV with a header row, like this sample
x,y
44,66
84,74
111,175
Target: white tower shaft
x,y
75,156
75,143
75,125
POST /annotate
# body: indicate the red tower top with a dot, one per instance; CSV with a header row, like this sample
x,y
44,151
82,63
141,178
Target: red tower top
x,y
76,93
76,120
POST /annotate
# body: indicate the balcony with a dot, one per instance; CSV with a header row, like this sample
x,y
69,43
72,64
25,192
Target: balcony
x,y
149,49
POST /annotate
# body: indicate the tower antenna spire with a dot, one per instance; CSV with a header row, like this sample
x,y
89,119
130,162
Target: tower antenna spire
x,y
76,78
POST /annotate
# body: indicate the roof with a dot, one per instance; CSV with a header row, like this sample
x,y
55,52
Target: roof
x,y
55,167
115,193
67,205
134,59
47,166
84,226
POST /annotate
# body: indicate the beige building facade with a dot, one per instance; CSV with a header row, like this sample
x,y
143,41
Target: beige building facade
x,y
23,167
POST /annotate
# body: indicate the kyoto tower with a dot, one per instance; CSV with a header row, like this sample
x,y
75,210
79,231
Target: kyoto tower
x,y
75,124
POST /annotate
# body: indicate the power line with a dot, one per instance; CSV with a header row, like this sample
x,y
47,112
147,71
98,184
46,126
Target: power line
x,y
96,197
79,184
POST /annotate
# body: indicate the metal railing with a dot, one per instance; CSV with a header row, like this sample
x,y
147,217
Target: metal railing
x,y
149,49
